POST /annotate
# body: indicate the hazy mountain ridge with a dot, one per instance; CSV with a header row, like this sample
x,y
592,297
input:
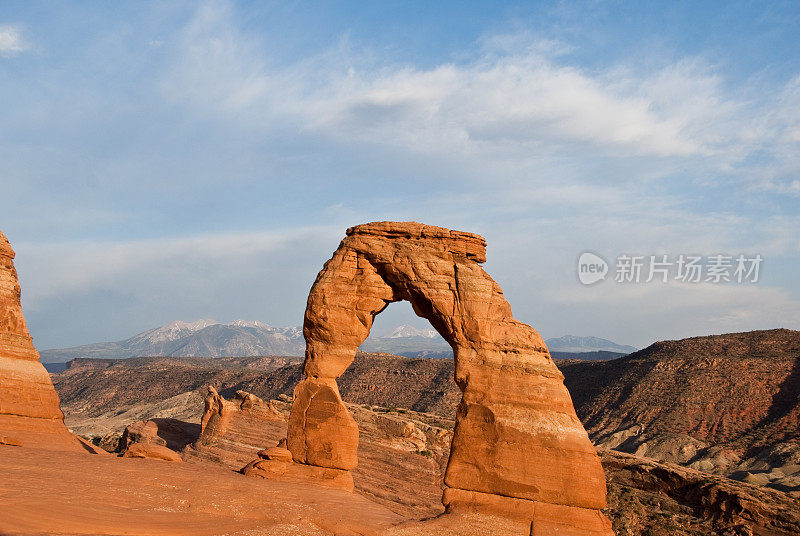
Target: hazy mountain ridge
x,y
405,331
240,338
409,341
208,338
576,344
190,339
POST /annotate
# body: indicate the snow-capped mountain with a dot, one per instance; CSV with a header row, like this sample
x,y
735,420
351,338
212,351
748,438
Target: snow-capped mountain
x,y
250,324
172,331
405,331
576,344
209,338
241,338
206,338
408,341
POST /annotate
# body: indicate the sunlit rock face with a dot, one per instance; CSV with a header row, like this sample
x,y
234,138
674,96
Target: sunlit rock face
x,y
518,446
29,412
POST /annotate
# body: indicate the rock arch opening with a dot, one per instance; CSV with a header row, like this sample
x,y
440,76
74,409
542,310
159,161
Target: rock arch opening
x,y
398,330
518,447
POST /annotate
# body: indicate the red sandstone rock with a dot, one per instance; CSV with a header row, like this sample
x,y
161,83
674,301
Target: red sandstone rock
x,y
141,432
219,412
233,431
296,472
152,451
280,454
10,441
323,432
516,434
29,412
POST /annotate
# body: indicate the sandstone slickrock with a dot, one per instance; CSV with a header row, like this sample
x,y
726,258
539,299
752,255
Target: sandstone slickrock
x,y
516,434
287,471
72,493
29,412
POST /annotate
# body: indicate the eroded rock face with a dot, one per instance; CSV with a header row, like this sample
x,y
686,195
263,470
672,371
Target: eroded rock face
x,y
232,431
29,412
516,435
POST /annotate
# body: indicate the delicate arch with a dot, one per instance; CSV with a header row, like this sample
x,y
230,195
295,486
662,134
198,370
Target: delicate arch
x,y
517,439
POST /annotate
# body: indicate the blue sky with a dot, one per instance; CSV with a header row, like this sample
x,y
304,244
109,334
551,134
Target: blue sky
x,y
182,160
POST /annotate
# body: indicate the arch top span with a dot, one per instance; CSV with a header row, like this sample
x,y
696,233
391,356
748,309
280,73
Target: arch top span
x,y
470,245
516,438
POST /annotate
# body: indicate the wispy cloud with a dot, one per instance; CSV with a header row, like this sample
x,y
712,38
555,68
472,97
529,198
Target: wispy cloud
x,y
504,104
11,42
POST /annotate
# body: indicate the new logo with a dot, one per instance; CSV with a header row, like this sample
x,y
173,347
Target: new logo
x,y
591,268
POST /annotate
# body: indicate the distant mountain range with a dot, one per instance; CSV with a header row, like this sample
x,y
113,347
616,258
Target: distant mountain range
x,y
207,338
408,341
574,345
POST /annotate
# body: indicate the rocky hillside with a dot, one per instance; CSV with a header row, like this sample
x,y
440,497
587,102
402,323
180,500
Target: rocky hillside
x,y
722,388
729,404
93,387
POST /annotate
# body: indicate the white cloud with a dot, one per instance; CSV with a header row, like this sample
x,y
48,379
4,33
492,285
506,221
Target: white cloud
x,y
10,41
217,67
514,101
506,105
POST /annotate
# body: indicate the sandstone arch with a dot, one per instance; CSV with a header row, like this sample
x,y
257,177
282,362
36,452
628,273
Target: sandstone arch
x,y
518,445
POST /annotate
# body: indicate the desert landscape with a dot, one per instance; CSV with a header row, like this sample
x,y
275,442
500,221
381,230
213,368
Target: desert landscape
x,y
348,268
695,436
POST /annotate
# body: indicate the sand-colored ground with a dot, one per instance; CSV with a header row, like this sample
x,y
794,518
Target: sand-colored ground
x,y
44,492
71,493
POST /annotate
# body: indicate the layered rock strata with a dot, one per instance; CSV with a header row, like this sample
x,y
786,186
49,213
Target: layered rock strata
x,y
232,431
518,446
29,411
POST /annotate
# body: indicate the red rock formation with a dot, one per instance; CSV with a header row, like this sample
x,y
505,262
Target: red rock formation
x,y
232,431
518,446
29,412
152,451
